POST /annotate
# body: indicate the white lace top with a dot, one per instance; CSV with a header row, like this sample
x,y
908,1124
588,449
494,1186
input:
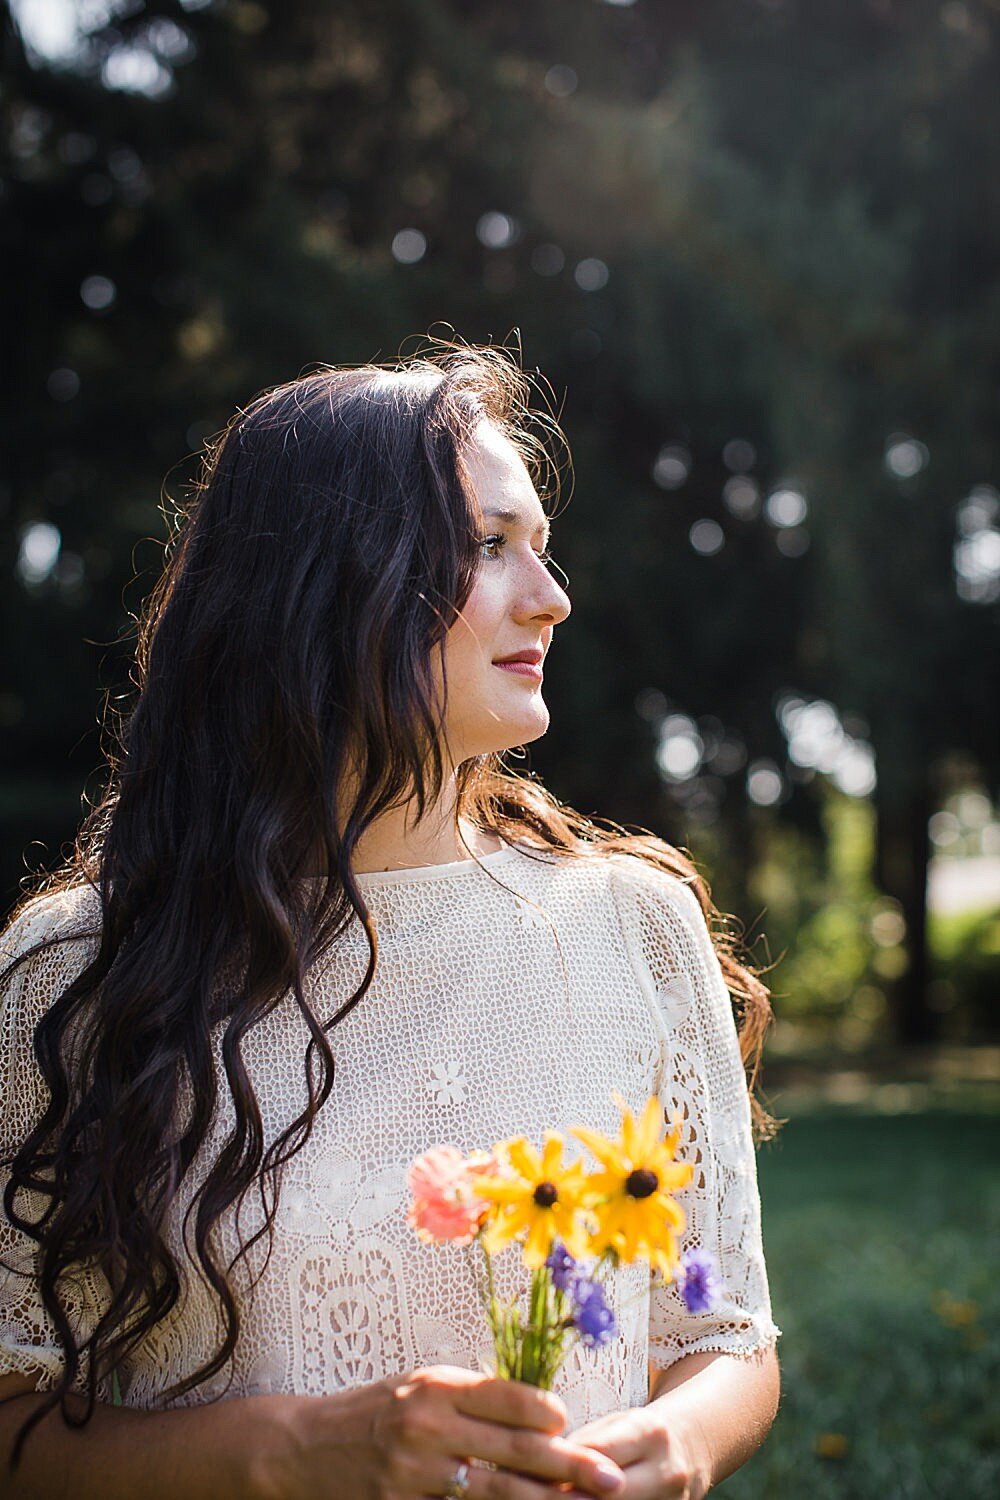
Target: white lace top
x,y
511,996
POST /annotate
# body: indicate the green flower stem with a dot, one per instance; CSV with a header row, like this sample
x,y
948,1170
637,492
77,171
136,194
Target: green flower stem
x,y
496,1319
531,1351
536,1331
534,1350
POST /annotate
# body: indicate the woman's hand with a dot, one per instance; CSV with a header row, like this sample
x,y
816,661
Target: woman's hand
x,y
658,1458
405,1437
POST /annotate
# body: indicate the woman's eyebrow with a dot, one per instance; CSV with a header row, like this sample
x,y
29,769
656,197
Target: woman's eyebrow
x,y
516,518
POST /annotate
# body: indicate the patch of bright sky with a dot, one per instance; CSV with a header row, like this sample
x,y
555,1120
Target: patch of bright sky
x,y
46,28
53,29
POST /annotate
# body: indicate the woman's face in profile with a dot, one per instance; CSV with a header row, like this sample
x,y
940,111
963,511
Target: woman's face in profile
x,y
514,606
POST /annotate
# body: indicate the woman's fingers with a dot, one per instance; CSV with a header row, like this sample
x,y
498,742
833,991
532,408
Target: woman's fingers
x,y
501,1484
511,1403
625,1436
657,1459
536,1455
440,1417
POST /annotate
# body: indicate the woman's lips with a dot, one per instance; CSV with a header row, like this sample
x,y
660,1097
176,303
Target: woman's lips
x,y
521,668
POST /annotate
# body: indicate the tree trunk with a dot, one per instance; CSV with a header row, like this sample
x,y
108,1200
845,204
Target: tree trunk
x,y
740,866
902,854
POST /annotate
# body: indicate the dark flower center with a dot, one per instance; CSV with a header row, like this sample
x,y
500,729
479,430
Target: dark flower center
x,y
545,1194
641,1183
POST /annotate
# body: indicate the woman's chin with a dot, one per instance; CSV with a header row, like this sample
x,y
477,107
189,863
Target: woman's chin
x,y
508,736
531,727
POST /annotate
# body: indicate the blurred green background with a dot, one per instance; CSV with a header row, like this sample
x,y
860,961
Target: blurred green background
x,y
752,244
879,1228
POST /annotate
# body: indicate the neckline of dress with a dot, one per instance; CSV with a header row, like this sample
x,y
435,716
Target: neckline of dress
x,y
414,873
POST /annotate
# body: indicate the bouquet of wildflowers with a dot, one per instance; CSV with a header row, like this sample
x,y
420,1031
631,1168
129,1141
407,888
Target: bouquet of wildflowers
x,y
563,1215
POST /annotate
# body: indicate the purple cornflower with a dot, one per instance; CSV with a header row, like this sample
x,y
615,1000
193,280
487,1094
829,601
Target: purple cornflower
x,y
700,1283
593,1319
563,1268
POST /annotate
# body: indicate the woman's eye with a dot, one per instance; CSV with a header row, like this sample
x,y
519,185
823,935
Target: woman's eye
x,y
491,546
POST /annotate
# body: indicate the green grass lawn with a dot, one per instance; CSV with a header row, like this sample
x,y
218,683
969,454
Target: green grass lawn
x,y
881,1234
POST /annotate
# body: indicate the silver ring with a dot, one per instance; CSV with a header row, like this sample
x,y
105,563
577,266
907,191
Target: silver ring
x,y
458,1484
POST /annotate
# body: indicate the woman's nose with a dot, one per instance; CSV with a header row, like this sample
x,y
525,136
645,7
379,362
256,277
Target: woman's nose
x,y
547,599
561,606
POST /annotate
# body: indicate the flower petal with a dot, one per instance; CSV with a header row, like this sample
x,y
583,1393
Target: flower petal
x,y
630,1138
552,1154
648,1132
502,1189
607,1152
675,1175
524,1158
539,1241
671,1212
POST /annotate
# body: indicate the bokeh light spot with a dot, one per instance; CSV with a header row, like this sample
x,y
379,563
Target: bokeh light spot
x,y
672,466
409,246
707,537
786,507
39,552
888,925
764,783
680,749
168,40
591,274
944,829
976,553
741,497
730,755
905,456
135,69
98,293
980,508
561,81
63,384
854,772
496,231
124,165
818,741
651,703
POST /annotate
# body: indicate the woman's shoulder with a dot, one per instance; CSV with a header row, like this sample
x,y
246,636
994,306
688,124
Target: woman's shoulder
x,y
629,876
612,860
69,913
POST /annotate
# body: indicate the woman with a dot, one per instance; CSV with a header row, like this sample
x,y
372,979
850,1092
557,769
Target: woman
x,y
316,927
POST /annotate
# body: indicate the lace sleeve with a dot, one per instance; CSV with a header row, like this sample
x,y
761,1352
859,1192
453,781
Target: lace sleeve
x,y
28,1341
702,1078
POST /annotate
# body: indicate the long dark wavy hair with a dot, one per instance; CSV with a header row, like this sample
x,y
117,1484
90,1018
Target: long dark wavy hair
x,y
285,655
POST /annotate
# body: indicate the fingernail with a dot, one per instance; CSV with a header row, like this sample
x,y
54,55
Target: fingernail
x,y
608,1479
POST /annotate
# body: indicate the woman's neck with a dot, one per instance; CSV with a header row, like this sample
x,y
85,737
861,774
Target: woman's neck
x,y
394,843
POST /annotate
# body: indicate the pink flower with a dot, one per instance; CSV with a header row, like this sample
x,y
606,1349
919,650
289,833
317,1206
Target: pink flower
x,y
445,1208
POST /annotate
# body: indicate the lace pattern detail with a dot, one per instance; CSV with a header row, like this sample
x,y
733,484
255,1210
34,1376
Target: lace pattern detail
x,y
512,995
702,1080
28,1341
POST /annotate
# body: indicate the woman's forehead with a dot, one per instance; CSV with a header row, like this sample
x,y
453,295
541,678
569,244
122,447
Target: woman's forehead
x,y
500,477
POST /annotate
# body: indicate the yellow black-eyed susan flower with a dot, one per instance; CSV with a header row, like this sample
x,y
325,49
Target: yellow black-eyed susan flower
x,y
630,1199
538,1197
